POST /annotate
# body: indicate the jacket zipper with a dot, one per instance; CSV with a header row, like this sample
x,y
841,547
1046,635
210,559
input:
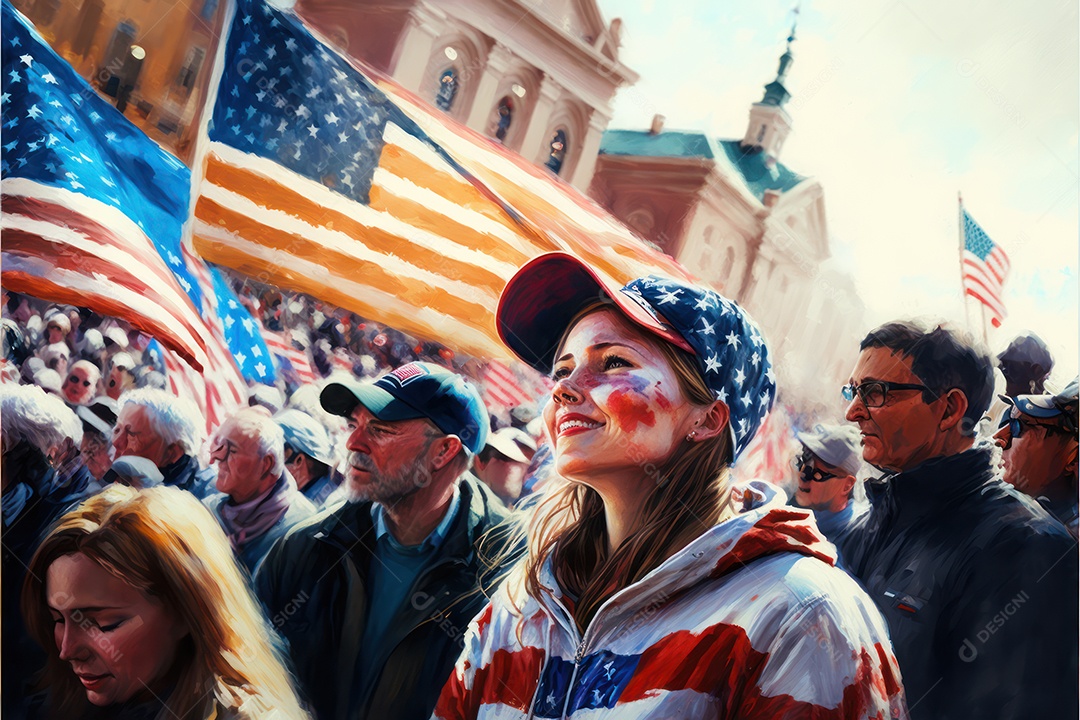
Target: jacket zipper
x,y
573,676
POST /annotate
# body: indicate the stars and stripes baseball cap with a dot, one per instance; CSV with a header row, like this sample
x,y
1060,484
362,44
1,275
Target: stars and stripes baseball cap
x,y
417,390
545,294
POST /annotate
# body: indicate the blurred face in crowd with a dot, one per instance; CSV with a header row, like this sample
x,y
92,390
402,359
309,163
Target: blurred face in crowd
x,y
905,431
120,380
119,641
54,333
133,435
617,407
504,476
59,363
243,472
1041,456
80,385
387,460
821,486
95,453
299,466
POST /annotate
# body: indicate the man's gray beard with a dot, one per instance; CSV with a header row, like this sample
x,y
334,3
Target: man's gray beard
x,y
389,490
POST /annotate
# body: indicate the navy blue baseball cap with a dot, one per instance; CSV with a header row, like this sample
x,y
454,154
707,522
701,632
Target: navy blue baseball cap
x,y
546,293
417,390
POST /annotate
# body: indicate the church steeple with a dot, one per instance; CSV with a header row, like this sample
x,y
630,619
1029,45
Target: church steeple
x,y
770,123
775,92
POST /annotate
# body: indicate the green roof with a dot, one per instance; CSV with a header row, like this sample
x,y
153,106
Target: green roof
x,y
748,162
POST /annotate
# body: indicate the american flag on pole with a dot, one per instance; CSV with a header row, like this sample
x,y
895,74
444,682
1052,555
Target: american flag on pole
x,y
985,268
315,179
93,214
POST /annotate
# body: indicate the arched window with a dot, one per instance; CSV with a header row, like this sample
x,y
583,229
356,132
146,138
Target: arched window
x,y
448,87
504,115
556,151
729,265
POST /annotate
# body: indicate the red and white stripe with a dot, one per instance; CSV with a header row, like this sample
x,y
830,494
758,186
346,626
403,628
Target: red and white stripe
x,y
280,346
70,248
501,386
984,281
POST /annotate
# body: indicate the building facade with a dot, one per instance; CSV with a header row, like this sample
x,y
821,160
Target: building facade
x,y
736,216
538,77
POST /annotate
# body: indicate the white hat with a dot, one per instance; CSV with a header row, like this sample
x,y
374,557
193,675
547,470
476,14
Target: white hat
x,y
504,442
836,445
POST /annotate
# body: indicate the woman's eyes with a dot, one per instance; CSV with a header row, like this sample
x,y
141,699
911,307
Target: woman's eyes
x,y
614,361
560,373
110,627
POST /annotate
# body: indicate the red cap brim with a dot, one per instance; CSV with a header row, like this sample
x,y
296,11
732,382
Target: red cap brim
x,y
537,305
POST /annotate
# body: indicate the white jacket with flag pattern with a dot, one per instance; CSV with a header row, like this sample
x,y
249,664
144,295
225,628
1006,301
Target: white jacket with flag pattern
x,y
750,620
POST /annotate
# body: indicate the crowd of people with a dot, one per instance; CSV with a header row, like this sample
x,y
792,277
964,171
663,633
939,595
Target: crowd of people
x,y
384,544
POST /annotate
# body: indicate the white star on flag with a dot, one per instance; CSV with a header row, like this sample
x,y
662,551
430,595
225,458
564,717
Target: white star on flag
x,y
261,369
669,296
764,399
746,399
733,339
755,359
702,303
722,395
712,364
707,329
241,358
740,376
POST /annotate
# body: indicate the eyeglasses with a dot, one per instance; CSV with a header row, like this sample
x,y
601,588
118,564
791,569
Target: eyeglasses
x,y
873,393
804,464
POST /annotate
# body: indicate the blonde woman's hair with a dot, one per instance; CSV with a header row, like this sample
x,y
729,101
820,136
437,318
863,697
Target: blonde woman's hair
x,y
692,493
164,542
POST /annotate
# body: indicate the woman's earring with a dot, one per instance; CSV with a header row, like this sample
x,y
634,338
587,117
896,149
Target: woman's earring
x,y
691,436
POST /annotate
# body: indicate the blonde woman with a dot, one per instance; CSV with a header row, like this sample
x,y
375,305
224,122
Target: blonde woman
x,y
652,588
143,613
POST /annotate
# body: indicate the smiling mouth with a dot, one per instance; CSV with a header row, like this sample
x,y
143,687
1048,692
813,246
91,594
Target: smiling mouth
x,y
575,426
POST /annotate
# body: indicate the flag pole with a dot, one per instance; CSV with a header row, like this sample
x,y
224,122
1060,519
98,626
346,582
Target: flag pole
x,y
960,229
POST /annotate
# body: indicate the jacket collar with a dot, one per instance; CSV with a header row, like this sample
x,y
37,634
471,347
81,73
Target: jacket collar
x,y
937,485
352,520
766,526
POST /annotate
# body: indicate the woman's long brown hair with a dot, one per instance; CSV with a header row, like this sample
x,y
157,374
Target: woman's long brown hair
x,y
691,495
164,542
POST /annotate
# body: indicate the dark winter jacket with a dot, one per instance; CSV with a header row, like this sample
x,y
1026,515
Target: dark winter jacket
x,y
978,586
314,586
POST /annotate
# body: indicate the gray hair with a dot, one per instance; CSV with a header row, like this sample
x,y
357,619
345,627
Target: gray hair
x,y
32,415
270,438
173,419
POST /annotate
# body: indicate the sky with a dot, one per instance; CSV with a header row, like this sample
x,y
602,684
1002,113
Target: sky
x,y
896,106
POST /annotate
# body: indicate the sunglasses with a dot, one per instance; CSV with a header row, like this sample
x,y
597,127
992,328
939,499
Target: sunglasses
x,y
804,464
1017,423
873,393
74,379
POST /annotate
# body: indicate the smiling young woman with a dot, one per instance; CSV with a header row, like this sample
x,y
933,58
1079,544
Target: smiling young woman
x,y
143,612
653,587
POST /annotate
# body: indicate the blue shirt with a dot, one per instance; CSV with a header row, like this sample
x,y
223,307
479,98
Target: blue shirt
x,y
394,569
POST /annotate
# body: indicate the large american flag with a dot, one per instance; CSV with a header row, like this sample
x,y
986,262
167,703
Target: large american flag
x,y
985,268
93,212
316,179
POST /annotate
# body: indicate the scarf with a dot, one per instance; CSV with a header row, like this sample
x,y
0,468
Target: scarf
x,y
246,521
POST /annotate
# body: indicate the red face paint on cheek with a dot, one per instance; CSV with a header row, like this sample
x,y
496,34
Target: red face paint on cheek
x,y
661,398
630,410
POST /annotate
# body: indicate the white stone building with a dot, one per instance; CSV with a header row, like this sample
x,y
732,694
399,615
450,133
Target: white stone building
x,y
537,75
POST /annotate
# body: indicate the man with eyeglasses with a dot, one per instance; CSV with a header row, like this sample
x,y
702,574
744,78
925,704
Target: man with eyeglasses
x,y
1039,448
976,581
827,471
